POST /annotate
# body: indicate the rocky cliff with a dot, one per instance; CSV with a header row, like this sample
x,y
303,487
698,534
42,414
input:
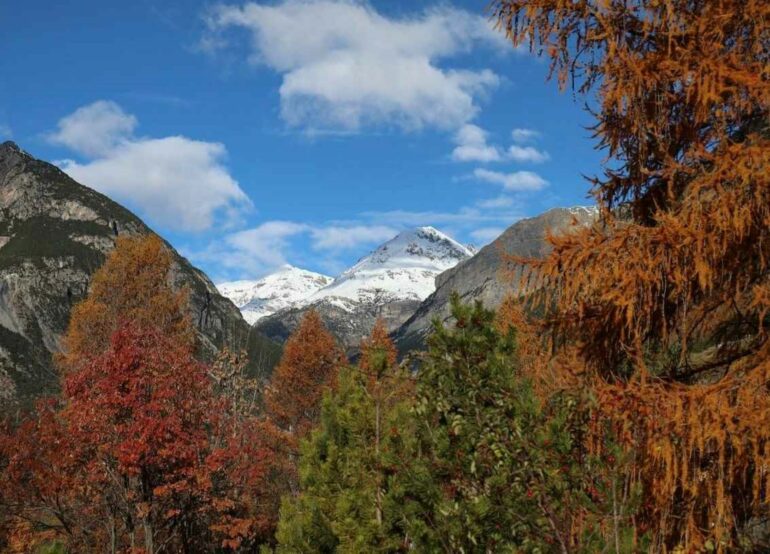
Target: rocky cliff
x,y
486,276
54,234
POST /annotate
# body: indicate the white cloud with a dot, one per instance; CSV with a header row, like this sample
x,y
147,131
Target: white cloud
x,y
335,237
485,235
496,203
95,129
523,154
5,131
259,250
177,182
521,136
472,146
516,181
345,66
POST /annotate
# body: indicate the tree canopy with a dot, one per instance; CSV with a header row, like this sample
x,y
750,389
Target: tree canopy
x,y
667,298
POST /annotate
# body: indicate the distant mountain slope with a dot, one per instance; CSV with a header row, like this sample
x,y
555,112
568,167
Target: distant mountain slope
x,y
481,277
390,282
286,288
54,233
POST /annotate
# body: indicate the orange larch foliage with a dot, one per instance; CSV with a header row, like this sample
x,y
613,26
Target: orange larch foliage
x,y
132,286
309,365
378,353
387,382
667,298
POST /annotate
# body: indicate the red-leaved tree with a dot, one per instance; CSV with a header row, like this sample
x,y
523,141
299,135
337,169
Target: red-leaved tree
x,y
145,451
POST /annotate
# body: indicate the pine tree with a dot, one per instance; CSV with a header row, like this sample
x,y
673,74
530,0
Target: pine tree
x,y
309,365
349,499
497,470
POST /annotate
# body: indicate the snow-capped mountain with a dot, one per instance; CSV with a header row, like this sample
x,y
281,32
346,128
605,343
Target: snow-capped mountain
x,y
481,278
283,289
388,283
403,268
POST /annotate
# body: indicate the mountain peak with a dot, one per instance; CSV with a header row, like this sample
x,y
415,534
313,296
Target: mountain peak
x,y
285,287
425,231
403,267
424,247
11,155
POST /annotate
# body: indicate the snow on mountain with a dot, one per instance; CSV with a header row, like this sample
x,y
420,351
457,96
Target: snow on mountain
x,y
285,288
403,268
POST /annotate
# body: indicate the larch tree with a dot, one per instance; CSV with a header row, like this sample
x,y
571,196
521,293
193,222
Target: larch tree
x,y
133,286
667,299
309,365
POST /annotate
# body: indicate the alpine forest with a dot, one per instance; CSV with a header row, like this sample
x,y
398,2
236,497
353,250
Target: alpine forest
x,y
614,397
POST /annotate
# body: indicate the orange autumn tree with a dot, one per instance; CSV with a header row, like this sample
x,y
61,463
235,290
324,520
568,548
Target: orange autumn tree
x,y
133,285
309,365
140,453
378,353
667,299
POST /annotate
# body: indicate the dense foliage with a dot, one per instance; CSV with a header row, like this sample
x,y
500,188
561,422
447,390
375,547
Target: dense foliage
x,y
623,406
140,452
311,358
350,499
461,457
667,299
499,469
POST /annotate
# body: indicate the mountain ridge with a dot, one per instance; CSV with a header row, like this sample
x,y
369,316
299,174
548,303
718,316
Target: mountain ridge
x,y
487,276
54,234
388,283
274,292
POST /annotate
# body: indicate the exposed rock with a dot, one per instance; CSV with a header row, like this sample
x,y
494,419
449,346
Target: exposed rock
x,y
55,235
486,276
388,283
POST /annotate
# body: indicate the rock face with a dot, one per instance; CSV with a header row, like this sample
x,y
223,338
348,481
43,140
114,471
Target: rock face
x,y
288,287
389,283
483,277
54,234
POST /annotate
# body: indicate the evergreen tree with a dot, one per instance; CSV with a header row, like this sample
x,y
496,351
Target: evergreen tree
x,y
497,470
350,500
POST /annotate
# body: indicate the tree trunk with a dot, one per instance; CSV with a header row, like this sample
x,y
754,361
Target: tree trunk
x,y
149,542
378,495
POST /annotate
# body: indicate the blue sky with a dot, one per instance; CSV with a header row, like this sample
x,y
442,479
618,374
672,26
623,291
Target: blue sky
x,y
301,131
